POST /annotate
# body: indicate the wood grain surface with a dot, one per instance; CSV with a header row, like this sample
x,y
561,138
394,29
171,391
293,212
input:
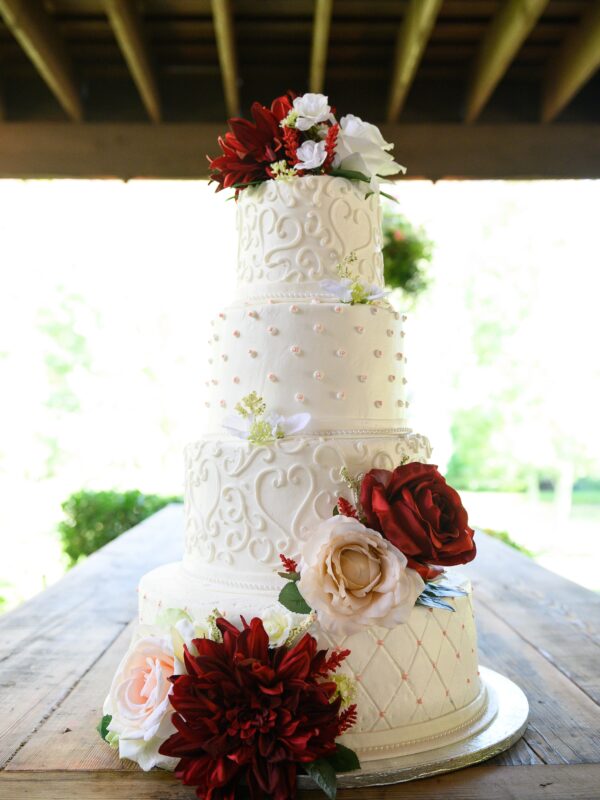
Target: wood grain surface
x,y
59,651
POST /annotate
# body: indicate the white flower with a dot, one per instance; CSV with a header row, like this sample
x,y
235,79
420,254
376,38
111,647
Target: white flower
x,y
361,147
278,623
262,430
311,155
138,702
286,426
354,578
311,109
349,290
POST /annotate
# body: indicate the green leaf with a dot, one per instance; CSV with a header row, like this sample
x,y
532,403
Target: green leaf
x,y
335,511
289,576
323,774
433,602
344,759
291,598
351,174
102,726
389,196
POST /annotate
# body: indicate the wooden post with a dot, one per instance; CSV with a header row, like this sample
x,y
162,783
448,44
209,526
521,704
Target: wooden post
x,y
128,28
320,43
223,22
413,35
575,63
501,42
38,35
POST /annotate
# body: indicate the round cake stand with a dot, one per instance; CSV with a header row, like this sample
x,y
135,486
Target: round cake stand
x,y
508,712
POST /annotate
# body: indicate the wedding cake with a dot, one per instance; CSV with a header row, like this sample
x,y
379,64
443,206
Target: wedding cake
x,y
313,518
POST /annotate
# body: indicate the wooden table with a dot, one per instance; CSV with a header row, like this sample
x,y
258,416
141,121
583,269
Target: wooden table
x,y
58,653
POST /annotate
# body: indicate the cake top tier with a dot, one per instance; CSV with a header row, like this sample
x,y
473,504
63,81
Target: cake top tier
x,y
308,190
293,235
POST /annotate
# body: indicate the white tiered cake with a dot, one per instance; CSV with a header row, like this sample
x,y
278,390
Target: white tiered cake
x,y
302,350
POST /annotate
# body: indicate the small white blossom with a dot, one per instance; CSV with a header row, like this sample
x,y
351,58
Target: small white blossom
x,y
311,109
277,622
311,155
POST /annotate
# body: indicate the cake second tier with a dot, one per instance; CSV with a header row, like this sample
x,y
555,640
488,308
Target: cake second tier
x,y
342,363
245,504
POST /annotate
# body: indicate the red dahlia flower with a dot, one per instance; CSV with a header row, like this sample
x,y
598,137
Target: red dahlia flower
x,y
247,713
250,147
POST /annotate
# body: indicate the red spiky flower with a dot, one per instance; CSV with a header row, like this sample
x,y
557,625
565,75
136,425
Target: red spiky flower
x,y
289,564
249,714
330,143
250,147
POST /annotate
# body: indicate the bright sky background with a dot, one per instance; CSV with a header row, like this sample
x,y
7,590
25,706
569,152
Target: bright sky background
x,y
138,268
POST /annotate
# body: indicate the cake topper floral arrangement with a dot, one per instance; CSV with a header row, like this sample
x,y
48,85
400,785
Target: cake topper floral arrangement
x,y
301,135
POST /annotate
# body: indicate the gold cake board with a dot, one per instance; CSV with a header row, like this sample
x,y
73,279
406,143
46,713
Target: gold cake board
x,y
506,721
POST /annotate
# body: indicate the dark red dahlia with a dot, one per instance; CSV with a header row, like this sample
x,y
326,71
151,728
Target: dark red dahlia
x,y
250,147
249,714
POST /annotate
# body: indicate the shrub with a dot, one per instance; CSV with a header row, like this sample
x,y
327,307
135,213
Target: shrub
x,y
406,253
92,519
505,537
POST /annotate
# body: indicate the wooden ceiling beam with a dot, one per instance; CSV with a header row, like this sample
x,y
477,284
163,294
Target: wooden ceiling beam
x,y
223,22
128,28
504,36
577,60
38,35
413,35
320,45
176,150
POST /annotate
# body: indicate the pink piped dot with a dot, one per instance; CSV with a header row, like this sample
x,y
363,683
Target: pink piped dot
x,y
390,332
295,350
382,714
399,356
272,330
379,642
299,397
318,375
224,356
377,353
358,678
341,353
222,403
419,642
362,378
272,377
391,378
463,626
294,309
420,701
236,379
253,314
444,633
378,403
359,329
236,334
458,655
405,676
338,309
270,301
318,328
447,693
252,353
341,395
222,316
430,610
468,680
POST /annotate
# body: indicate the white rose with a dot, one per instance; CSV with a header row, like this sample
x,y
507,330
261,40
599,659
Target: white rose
x,y
138,702
311,155
278,623
361,147
311,109
354,578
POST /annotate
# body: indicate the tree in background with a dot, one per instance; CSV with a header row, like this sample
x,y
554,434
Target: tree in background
x,y
407,252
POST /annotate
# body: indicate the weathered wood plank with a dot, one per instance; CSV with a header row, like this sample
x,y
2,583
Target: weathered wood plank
x,y
564,722
178,150
320,43
490,782
559,618
88,609
223,21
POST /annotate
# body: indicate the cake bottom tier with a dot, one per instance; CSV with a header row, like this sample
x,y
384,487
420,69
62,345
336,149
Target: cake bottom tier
x,y
418,685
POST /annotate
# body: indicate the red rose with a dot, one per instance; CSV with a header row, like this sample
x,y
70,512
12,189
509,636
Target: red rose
x,y
249,714
417,511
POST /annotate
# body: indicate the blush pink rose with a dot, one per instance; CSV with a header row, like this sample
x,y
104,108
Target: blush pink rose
x,y
354,578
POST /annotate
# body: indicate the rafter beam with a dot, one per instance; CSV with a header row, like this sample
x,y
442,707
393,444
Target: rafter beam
x,y
320,44
38,35
128,28
576,61
223,22
506,33
413,35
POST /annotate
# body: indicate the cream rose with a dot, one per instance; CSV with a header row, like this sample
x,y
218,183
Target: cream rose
x,y
278,623
354,578
138,702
